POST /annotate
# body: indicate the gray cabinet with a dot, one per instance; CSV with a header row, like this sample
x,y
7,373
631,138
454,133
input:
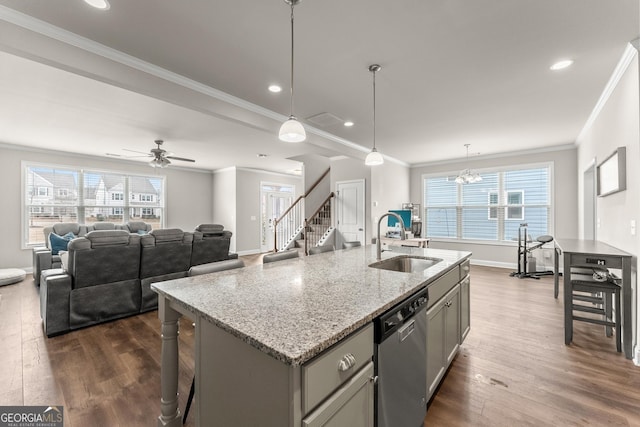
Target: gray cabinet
x,y
443,337
448,322
351,405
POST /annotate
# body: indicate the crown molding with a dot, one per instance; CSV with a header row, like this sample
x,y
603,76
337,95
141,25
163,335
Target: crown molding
x,y
630,53
550,149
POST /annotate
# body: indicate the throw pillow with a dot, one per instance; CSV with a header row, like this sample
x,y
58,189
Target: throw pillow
x,y
142,232
60,243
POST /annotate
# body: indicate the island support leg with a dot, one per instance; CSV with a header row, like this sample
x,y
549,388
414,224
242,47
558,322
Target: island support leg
x,y
170,413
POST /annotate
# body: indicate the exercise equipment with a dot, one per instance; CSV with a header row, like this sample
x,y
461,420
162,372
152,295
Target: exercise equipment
x,y
523,254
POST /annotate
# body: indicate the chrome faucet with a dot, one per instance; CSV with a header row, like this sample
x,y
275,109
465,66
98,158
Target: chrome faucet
x,y
403,236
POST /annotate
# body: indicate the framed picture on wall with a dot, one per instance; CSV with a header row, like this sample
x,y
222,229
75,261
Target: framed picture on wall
x,y
612,173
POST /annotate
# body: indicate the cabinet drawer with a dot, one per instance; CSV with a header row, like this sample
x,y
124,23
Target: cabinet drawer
x,y
325,373
596,260
440,287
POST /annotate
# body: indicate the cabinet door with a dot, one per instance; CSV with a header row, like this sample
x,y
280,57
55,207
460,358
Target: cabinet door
x,y
351,405
465,308
435,346
452,324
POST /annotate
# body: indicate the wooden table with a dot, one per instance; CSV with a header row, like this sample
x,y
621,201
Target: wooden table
x,y
591,253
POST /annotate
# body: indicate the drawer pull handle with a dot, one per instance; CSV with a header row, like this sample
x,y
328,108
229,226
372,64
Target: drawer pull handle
x,y
347,362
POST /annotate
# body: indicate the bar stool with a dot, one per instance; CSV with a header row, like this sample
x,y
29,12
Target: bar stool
x,y
600,298
198,270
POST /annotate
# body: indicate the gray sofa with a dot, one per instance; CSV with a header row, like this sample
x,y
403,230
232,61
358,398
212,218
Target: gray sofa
x,y
210,244
109,273
45,259
101,282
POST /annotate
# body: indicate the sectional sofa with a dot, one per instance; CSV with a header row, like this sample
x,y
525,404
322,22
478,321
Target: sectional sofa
x,y
107,274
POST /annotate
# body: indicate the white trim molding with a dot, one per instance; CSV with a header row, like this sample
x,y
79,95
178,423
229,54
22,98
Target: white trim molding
x,y
630,53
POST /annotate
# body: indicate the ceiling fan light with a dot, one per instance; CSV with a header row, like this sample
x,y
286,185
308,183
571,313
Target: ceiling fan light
x,y
292,131
374,158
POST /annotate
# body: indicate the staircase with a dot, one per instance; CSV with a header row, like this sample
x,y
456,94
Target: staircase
x,y
292,229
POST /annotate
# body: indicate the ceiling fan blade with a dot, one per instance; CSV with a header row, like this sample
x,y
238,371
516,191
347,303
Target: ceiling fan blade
x,y
180,158
139,152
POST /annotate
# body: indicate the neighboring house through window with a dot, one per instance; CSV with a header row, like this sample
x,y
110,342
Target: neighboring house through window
x,y
61,194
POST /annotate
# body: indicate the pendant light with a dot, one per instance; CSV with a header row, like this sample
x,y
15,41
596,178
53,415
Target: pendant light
x,y
292,130
466,176
374,158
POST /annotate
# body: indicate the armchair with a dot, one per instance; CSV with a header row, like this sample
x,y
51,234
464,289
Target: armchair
x,y
43,257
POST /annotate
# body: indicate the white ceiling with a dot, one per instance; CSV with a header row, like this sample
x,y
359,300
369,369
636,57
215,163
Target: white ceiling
x,y
195,73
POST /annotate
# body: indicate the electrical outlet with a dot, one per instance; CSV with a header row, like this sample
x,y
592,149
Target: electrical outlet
x,y
598,223
633,227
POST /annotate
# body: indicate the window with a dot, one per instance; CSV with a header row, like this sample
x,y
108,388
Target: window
x,y
57,194
493,205
146,197
489,210
515,208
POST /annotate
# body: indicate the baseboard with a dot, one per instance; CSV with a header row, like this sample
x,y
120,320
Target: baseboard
x,y
249,252
505,265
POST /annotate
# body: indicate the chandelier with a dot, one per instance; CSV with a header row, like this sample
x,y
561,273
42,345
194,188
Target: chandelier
x,y
466,176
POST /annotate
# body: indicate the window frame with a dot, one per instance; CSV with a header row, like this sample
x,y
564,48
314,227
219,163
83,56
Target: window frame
x,y
501,241
81,205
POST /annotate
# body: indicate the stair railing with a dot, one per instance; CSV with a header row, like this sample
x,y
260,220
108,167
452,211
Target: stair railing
x,y
292,220
317,224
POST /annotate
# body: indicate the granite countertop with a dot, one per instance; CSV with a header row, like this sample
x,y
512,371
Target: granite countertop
x,y
295,309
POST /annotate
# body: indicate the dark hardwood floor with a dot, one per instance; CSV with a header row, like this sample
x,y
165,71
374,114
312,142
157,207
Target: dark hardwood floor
x,y
513,369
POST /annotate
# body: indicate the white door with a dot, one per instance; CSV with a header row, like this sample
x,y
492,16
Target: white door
x,y
350,213
275,200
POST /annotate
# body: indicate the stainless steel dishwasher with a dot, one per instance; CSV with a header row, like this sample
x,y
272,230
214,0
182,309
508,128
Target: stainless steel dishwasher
x,y
401,367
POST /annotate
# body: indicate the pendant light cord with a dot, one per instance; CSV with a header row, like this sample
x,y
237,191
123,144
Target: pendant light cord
x,y
374,109
291,102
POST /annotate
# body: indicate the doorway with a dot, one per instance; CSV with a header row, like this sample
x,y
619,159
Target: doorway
x,y
350,212
589,202
275,199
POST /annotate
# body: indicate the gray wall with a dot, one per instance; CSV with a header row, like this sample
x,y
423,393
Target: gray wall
x,y
389,190
386,185
224,202
618,125
248,205
189,198
565,199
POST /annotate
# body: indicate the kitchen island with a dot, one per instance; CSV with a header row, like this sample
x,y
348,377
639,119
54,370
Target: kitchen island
x,y
262,333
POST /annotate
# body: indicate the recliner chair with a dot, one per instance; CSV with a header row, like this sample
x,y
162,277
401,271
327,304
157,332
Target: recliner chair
x,y
165,255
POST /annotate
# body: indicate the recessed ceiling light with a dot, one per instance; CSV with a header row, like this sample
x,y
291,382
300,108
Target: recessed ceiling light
x,y
275,89
348,123
560,65
99,4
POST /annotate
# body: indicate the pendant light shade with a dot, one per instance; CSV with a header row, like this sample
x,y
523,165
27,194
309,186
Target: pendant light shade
x,y
374,158
292,130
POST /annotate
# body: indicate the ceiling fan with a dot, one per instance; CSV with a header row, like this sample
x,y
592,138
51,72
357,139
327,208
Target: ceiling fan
x,y
160,156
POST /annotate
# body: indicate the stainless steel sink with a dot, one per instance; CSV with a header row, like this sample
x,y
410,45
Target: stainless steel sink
x,y
406,263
